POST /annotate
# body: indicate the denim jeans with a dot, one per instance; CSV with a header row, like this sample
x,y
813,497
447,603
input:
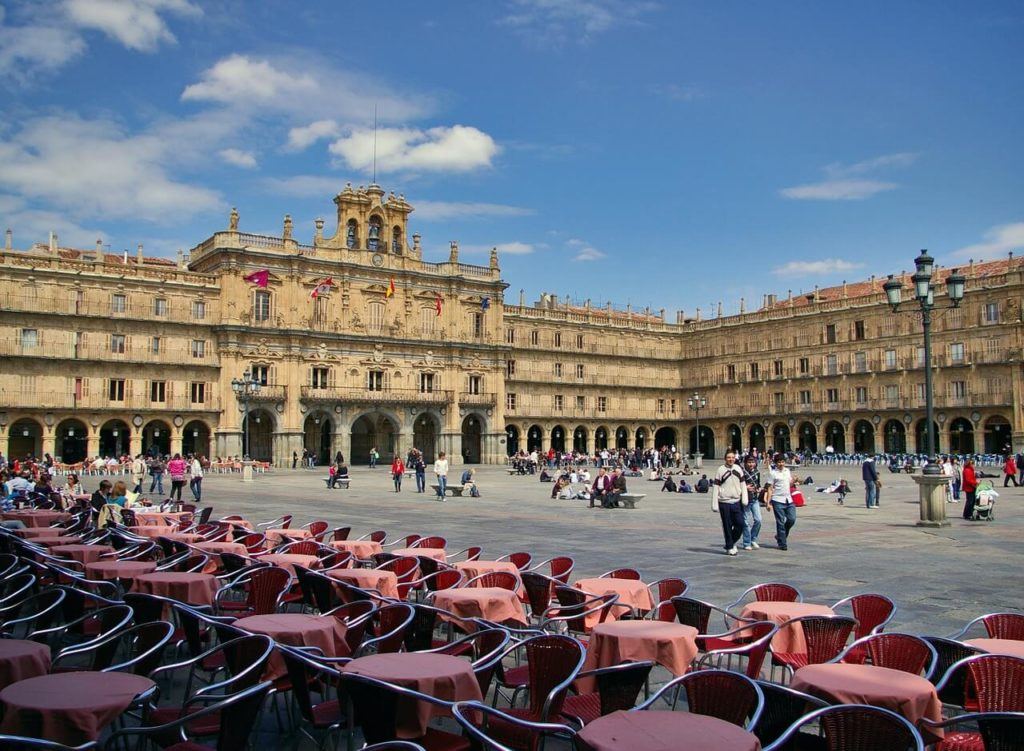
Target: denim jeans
x,y
870,493
751,522
956,491
442,483
158,483
196,486
785,519
421,481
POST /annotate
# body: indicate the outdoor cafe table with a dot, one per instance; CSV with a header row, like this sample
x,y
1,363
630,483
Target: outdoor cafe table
x,y
21,659
656,730
438,554
441,676
69,708
909,695
789,640
362,549
162,518
35,517
49,541
327,633
288,561
81,553
385,582
216,548
30,533
1011,647
491,603
154,530
276,536
632,594
108,570
671,645
476,568
191,589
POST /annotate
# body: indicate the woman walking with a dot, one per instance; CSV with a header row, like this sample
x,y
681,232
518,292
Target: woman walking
x,y
1010,471
397,472
177,468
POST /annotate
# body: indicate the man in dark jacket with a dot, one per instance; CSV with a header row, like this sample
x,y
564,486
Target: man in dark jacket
x,y
611,498
869,473
101,496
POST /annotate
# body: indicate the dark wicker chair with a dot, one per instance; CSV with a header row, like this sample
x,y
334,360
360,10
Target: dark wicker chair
x,y
405,569
143,643
479,721
904,652
826,637
574,608
390,625
308,676
539,591
990,731
617,687
33,614
723,694
697,613
950,652
856,727
783,706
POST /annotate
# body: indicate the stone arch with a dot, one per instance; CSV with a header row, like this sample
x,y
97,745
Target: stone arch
x,y
535,438
622,437
371,430
781,439
195,439
156,438
665,437
601,438
863,437
579,439
807,437
511,440
259,441
396,240
961,436
71,441
734,437
998,435
352,234
25,438
426,427
317,430
921,437
374,232
115,438
473,428
641,438
558,439
757,438
835,436
706,447
894,435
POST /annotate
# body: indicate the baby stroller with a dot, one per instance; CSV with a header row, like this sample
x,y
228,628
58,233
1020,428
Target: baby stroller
x,y
984,505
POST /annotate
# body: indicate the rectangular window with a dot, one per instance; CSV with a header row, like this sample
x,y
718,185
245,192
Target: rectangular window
x,y
558,370
579,371
730,372
117,344
197,392
427,317
754,369
160,306
991,312
892,392
115,389
860,362
158,391
805,397
858,330
478,325
199,309
29,338
320,377
581,403
805,365
118,304
890,359
830,334
155,345
661,406
779,399
261,306
510,402
198,348
832,396
919,358
510,368
375,380
260,374
602,404
919,392
579,341
956,352
862,395
672,406
777,367
958,389
832,365
559,402
426,383
376,314
558,338
510,336
535,338
475,384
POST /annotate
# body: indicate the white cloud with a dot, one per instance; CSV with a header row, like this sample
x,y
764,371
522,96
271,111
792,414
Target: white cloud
x,y
240,79
843,182
305,186
998,241
580,20
25,50
584,251
436,211
137,24
458,148
304,136
31,225
514,248
238,158
819,267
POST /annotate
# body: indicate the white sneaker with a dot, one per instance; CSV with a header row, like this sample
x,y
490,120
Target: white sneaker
x,y
731,551
748,547
755,546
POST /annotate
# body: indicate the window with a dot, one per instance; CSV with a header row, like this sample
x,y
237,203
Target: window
x,y
29,338
892,392
376,315
559,400
754,368
858,330
558,338
117,343
581,403
155,345
115,389
426,383
475,384
672,406
777,367
831,365
320,377
805,365
427,317
830,334
661,406
261,305
558,370
602,404
956,352
579,370
352,234
890,359
396,240
375,380
919,357
779,399
260,374
198,392
991,312
478,324
535,338
510,402
831,395
160,306
730,372
861,395
199,309
805,397
579,341
860,361
510,368
158,391
118,304
919,391
198,348
510,336
373,238
958,389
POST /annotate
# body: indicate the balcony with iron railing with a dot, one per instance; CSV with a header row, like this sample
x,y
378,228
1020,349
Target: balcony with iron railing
x,y
483,399
139,352
364,395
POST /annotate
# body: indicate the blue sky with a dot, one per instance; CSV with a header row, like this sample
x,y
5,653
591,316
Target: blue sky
x,y
669,153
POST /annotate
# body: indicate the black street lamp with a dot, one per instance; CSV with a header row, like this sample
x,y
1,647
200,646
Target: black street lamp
x,y
924,293
697,403
245,388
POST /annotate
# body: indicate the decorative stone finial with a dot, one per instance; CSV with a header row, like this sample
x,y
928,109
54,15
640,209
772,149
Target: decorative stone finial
x,y
181,258
453,256
698,314
318,235
494,258
99,244
233,220
719,308
287,232
53,243
8,239
138,254
416,244
522,298
743,306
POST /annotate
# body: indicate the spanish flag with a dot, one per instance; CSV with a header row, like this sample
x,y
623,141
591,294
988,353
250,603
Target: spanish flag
x,y
437,304
391,288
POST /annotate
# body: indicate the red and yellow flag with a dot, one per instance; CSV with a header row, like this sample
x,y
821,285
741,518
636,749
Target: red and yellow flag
x,y
391,288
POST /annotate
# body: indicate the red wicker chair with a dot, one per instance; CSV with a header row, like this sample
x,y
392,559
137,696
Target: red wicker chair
x,y
697,613
390,627
376,536
769,592
300,547
998,626
872,612
499,579
574,606
539,591
264,588
430,542
306,675
662,591
472,553
904,652
254,542
281,522
520,560
723,694
856,727
826,637
339,534
405,569
408,541
750,642
621,573
995,683
954,685
995,731
317,529
617,688
560,567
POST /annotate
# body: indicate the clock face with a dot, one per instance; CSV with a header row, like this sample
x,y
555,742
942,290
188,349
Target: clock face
x,y
378,259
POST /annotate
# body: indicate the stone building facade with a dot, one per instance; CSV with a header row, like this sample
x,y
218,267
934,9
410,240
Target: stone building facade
x,y
105,354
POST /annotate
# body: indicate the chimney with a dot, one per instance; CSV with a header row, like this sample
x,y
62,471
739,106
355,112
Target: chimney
x,y
416,243
743,306
8,239
697,318
124,259
770,300
138,254
181,258
661,313
99,246
522,292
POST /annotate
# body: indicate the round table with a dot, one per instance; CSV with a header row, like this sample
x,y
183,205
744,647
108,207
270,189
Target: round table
x,y
30,533
632,594
671,645
49,541
111,569
662,731
491,603
359,548
276,536
296,630
70,708
163,518
216,548
191,589
912,696
81,553
385,582
36,517
789,640
1011,647
476,568
21,659
289,560
154,530
441,676
438,554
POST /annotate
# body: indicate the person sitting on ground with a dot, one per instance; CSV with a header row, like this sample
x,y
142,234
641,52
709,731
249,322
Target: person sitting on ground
x,y
469,483
687,470
669,485
585,475
702,484
557,487
544,476
684,486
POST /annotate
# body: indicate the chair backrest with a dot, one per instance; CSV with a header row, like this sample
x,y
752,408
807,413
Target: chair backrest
x,y
376,704
390,626
317,528
574,604
498,579
357,618
904,652
378,535
480,722
431,542
669,587
622,573
239,715
205,513
952,684
561,567
33,613
783,706
619,686
444,579
194,564
753,640
776,592
998,682
301,547
147,608
871,611
1004,626
339,534
858,727
254,542
266,586
694,613
320,589
553,662
826,635
539,589
520,560
303,673
144,647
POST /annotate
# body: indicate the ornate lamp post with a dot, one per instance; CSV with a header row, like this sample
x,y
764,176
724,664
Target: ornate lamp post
x,y
924,294
245,388
696,402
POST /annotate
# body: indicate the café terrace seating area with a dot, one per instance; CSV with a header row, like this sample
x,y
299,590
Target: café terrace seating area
x,y
174,630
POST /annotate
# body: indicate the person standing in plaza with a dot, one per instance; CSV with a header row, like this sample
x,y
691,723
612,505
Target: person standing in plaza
x,y
397,472
138,473
195,480
970,487
780,482
374,456
156,471
752,511
958,479
420,468
869,473
1010,471
176,468
728,497
441,472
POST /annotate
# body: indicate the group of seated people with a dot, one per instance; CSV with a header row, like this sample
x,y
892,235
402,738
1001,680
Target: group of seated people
x,y
703,485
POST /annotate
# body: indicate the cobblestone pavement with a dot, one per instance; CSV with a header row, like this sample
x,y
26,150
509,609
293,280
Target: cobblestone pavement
x,y
940,578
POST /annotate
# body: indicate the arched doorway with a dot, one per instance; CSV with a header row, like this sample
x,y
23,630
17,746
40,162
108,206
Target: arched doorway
x,y
621,437
156,438
807,438
534,440
895,437
70,444
424,436
511,440
665,438
25,439
835,436
472,443
734,438
921,436
579,440
961,436
558,439
780,438
115,438
316,437
601,438
259,440
707,442
196,439
998,435
374,430
757,438
863,437
641,438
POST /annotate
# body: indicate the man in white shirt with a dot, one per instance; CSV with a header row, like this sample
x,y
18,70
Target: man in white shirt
x,y
779,481
728,497
195,483
441,471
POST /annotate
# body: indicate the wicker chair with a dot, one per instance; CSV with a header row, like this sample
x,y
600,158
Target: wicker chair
x,y
621,573
904,652
783,706
723,694
991,731
539,591
950,652
662,592
995,683
749,642
560,567
617,687
476,720
826,637
997,626
769,592
430,542
520,560
872,612
697,613
498,579
856,727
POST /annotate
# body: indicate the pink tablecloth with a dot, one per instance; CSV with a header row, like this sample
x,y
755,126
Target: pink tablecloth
x,y
359,548
326,633
36,517
192,589
1011,647
154,530
437,554
385,582
108,570
475,568
289,560
662,731
789,640
276,536
671,645
441,676
492,603
20,659
214,549
81,553
70,708
162,518
30,533
632,594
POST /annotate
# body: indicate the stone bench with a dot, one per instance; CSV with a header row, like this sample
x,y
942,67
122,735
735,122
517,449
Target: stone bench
x,y
629,500
342,481
455,490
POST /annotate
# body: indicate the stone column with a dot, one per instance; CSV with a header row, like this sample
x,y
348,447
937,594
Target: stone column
x,y
50,442
932,490
340,441
176,441
92,443
135,442
226,443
